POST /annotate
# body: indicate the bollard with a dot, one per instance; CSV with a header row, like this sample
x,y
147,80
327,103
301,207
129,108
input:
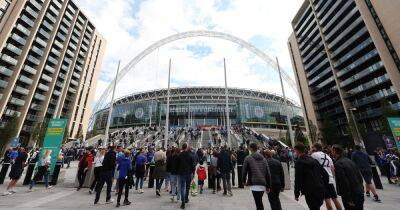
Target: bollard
x,y
54,177
376,178
3,172
29,173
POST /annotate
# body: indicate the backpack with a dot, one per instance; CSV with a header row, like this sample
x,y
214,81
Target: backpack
x,y
201,173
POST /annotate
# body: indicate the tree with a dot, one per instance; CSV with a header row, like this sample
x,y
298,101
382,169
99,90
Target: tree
x,y
8,132
329,131
42,133
299,135
313,131
387,111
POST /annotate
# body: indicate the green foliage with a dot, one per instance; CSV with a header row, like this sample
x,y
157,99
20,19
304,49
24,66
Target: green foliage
x,y
42,133
313,131
8,132
387,111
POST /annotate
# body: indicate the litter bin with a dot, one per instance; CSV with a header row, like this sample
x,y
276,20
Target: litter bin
x,y
29,173
3,172
56,172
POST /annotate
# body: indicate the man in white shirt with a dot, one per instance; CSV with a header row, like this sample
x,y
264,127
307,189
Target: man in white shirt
x,y
327,163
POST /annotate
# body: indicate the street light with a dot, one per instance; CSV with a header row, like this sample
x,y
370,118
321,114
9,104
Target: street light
x,y
360,141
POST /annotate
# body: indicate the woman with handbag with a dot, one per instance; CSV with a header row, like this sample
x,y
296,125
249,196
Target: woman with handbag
x,y
160,170
42,171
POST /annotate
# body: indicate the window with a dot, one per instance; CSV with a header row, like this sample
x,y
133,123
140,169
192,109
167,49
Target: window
x,y
3,7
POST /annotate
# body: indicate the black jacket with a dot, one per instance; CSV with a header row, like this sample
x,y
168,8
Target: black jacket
x,y
310,177
349,182
224,164
109,161
277,175
173,164
186,164
241,155
256,168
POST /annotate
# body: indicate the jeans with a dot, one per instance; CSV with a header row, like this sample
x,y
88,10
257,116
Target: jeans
x,y
159,183
273,197
41,173
239,175
167,181
213,182
174,185
96,179
226,182
358,202
123,182
81,176
151,179
105,177
233,175
257,195
184,182
139,179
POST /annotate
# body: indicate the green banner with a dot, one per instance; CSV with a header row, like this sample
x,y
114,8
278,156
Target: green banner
x,y
53,139
394,123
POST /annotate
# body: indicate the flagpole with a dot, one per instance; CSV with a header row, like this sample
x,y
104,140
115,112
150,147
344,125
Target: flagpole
x,y
228,123
167,114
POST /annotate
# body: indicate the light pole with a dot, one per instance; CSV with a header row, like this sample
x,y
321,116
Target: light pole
x,y
359,138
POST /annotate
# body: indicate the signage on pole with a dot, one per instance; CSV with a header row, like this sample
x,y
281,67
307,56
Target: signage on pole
x,y
394,123
53,139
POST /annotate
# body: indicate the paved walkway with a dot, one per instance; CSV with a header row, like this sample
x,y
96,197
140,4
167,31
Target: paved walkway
x,y
64,196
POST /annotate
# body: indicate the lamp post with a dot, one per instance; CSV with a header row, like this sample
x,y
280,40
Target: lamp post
x,y
359,138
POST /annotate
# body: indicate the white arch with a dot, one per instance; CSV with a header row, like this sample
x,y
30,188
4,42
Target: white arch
x,y
201,33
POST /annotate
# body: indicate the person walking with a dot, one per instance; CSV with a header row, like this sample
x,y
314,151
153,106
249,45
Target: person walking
x,y
140,164
124,167
310,178
349,182
277,180
16,170
160,169
257,175
85,164
186,169
201,176
241,155
326,162
212,171
106,175
362,160
224,166
98,167
43,171
172,168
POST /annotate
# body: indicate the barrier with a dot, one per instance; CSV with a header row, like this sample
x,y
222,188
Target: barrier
x,y
3,172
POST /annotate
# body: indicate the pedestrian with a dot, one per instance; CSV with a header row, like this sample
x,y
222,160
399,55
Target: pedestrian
x,y
277,180
140,164
160,169
124,167
172,168
85,164
98,167
310,178
349,182
241,155
42,171
225,168
256,174
363,162
201,175
326,162
106,175
186,171
17,168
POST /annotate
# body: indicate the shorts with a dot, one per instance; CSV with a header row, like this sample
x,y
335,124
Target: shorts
x,y
200,182
330,192
367,176
15,173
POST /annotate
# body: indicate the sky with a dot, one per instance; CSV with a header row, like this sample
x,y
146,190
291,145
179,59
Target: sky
x,y
130,26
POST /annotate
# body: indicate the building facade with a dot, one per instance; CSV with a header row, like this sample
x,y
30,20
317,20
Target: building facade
x,y
50,58
202,106
345,57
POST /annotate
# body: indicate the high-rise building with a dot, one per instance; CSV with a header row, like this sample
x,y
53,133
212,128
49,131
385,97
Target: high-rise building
x,y
50,58
345,54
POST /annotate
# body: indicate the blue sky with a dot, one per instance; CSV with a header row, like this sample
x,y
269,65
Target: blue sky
x,y
130,26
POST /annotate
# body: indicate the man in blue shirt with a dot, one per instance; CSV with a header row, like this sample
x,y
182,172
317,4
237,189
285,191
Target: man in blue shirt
x,y
124,168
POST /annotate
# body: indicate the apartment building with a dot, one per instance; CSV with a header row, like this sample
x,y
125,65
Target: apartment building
x,y
50,58
345,57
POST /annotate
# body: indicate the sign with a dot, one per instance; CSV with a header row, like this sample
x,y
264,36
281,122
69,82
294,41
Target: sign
x,y
15,142
394,123
53,139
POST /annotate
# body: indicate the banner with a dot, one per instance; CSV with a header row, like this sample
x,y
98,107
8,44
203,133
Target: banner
x,y
394,123
53,139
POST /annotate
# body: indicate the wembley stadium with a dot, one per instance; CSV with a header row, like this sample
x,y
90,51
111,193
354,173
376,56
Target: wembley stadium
x,y
202,107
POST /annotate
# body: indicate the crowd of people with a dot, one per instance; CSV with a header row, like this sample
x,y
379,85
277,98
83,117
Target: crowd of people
x,y
321,173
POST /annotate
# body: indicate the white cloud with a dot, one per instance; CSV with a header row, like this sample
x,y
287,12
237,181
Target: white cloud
x,y
130,26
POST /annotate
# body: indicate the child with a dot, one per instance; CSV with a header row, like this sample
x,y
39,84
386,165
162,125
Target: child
x,y
201,176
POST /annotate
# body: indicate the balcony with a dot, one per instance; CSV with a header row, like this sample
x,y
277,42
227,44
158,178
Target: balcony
x,y
33,60
59,84
31,12
41,42
47,25
349,41
52,60
366,86
352,52
11,113
56,52
25,80
36,4
36,107
33,118
27,128
21,90
74,82
17,101
18,39
5,71
374,98
49,69
58,44
10,60
361,74
3,84
43,87
23,29
327,103
72,90
14,49
40,97
27,20
44,33
54,102
51,17
30,70
38,51
57,93
46,78
320,75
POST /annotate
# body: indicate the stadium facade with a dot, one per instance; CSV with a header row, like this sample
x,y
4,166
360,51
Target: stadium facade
x,y
201,106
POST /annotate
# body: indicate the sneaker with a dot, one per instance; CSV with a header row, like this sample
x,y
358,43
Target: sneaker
x,y
12,191
368,194
117,205
376,199
183,206
158,193
141,191
230,194
213,192
6,193
110,201
49,187
97,204
90,191
127,203
172,199
29,190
